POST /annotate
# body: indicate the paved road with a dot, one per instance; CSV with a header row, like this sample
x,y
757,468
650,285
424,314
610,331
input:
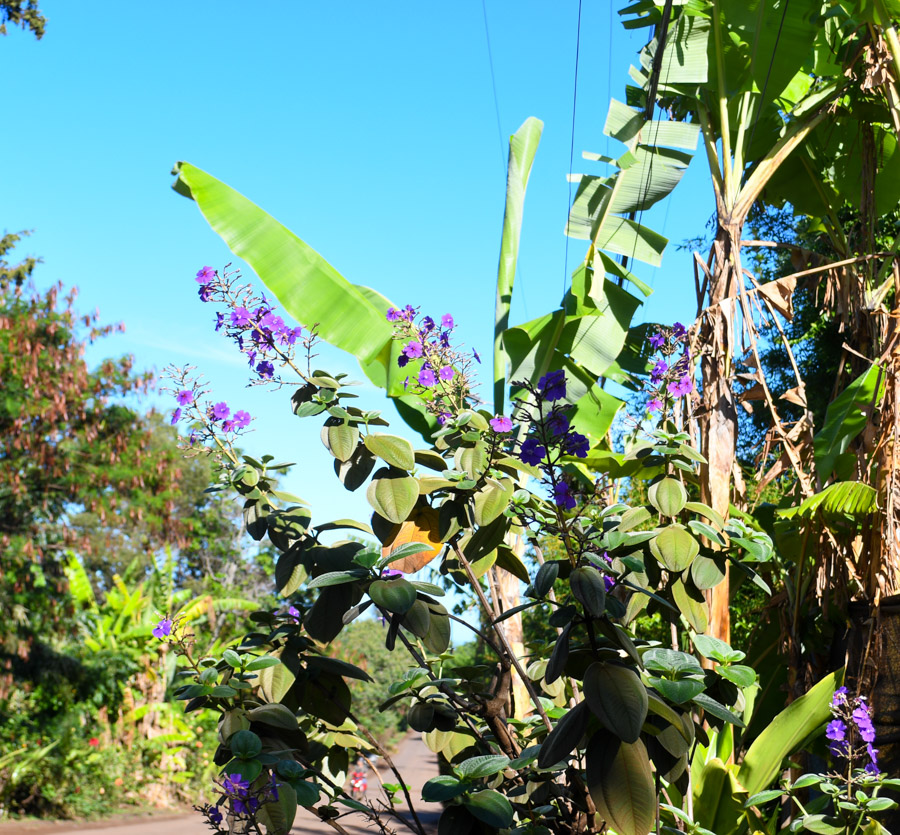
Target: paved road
x,y
414,761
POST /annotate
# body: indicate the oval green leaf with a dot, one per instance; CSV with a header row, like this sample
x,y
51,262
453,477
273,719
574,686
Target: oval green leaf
x,y
396,596
393,494
396,451
617,697
674,547
668,496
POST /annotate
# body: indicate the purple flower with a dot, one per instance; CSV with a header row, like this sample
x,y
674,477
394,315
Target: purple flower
x,y
402,360
240,317
220,320
532,452
391,572
840,697
872,765
477,358
655,405
446,373
205,275
557,423
271,322
242,419
863,723
413,350
426,378
657,341
658,371
221,411
443,417
393,314
501,424
427,324
236,784
204,292
176,416
678,330
553,385
228,426
163,629
245,805
609,582
562,495
213,815
265,370
409,312
677,388
836,730
576,444
185,397
294,612
289,336
447,321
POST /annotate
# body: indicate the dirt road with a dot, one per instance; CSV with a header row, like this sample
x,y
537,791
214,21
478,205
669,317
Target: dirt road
x,y
413,760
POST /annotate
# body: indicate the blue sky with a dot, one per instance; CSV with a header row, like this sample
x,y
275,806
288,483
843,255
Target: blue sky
x,y
368,129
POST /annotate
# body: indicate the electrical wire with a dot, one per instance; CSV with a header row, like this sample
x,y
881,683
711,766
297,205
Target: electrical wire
x,y
572,148
487,38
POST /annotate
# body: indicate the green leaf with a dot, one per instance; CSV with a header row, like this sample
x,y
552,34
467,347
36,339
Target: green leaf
x,y
589,589
274,682
305,284
232,659
396,451
523,145
706,573
483,766
738,674
674,547
262,662
713,707
717,649
492,500
843,499
617,698
718,796
680,691
245,744
340,439
763,797
274,715
691,604
393,494
564,738
337,578
443,788
621,784
707,511
545,578
490,807
845,419
668,496
786,733
395,595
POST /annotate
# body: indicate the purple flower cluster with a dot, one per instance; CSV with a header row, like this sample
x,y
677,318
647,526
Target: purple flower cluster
x,y
237,790
258,331
441,371
851,733
551,436
671,376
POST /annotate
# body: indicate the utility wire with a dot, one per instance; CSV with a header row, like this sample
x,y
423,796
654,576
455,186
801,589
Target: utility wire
x,y
572,148
487,38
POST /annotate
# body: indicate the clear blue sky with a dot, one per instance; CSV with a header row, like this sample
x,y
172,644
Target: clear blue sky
x,y
369,129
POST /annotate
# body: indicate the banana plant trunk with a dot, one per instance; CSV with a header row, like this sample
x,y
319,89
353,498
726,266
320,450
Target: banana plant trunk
x,y
718,412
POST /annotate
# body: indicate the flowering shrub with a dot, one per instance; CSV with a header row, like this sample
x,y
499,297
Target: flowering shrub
x,y
846,799
610,718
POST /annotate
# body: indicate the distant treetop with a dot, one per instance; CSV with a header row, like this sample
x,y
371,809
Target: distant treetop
x,y
24,13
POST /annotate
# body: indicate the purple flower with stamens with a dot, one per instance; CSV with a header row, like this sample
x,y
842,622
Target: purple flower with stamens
x,y
443,417
390,572
447,321
221,411
658,371
836,733
678,330
271,322
236,784
426,378
413,350
265,370
501,424
680,387
532,452
446,373
242,419
240,317
657,340
205,275
213,815
655,405
163,629
220,320
176,416
185,397
553,385
562,495
428,324
576,444
863,723
840,697
204,292
393,314
557,423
